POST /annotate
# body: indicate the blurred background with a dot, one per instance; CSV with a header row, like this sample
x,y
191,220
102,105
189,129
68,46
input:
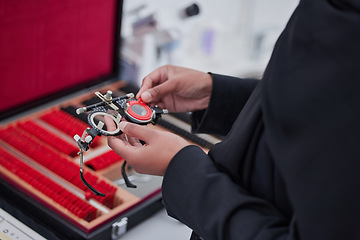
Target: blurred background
x,y
231,37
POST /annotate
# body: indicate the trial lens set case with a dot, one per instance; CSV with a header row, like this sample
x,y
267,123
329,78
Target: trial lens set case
x,y
53,56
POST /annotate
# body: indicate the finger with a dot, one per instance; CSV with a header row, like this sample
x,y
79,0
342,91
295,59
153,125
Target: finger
x,y
149,81
156,93
156,77
118,145
133,141
136,131
110,125
124,138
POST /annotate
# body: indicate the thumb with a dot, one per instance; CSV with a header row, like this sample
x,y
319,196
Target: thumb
x,y
156,93
110,125
138,131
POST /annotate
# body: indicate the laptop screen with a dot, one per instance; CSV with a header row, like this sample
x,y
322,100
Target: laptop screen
x,y
50,47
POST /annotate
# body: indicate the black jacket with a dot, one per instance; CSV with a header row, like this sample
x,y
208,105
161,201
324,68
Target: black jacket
x,y
289,166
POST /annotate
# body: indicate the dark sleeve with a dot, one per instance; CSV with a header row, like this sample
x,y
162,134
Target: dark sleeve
x,y
208,201
228,97
311,112
313,118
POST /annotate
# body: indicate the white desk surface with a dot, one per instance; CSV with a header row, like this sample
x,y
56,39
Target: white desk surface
x,y
159,227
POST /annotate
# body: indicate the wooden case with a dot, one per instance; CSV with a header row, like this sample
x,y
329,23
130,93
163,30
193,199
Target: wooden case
x,y
54,56
50,52
40,170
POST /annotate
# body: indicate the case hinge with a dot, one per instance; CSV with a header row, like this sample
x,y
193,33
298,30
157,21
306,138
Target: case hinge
x,y
119,228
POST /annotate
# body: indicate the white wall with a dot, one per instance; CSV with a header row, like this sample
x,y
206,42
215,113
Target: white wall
x,y
233,37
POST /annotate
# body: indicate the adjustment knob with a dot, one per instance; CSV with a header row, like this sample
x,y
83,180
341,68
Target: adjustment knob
x,y
108,95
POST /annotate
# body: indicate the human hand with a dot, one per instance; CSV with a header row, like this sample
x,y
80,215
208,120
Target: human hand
x,y
151,158
177,89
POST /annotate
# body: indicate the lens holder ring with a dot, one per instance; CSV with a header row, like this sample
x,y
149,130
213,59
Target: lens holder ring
x,y
132,116
103,112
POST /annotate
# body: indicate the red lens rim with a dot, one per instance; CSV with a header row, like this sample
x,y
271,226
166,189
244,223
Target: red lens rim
x,y
145,117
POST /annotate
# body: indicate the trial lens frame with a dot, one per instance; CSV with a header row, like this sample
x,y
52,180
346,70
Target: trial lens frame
x,y
135,111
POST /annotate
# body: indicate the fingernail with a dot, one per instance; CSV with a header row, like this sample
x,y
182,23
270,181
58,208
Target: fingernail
x,y
122,125
146,96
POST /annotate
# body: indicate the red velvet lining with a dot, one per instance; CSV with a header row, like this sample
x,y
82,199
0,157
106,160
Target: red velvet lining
x,y
48,46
